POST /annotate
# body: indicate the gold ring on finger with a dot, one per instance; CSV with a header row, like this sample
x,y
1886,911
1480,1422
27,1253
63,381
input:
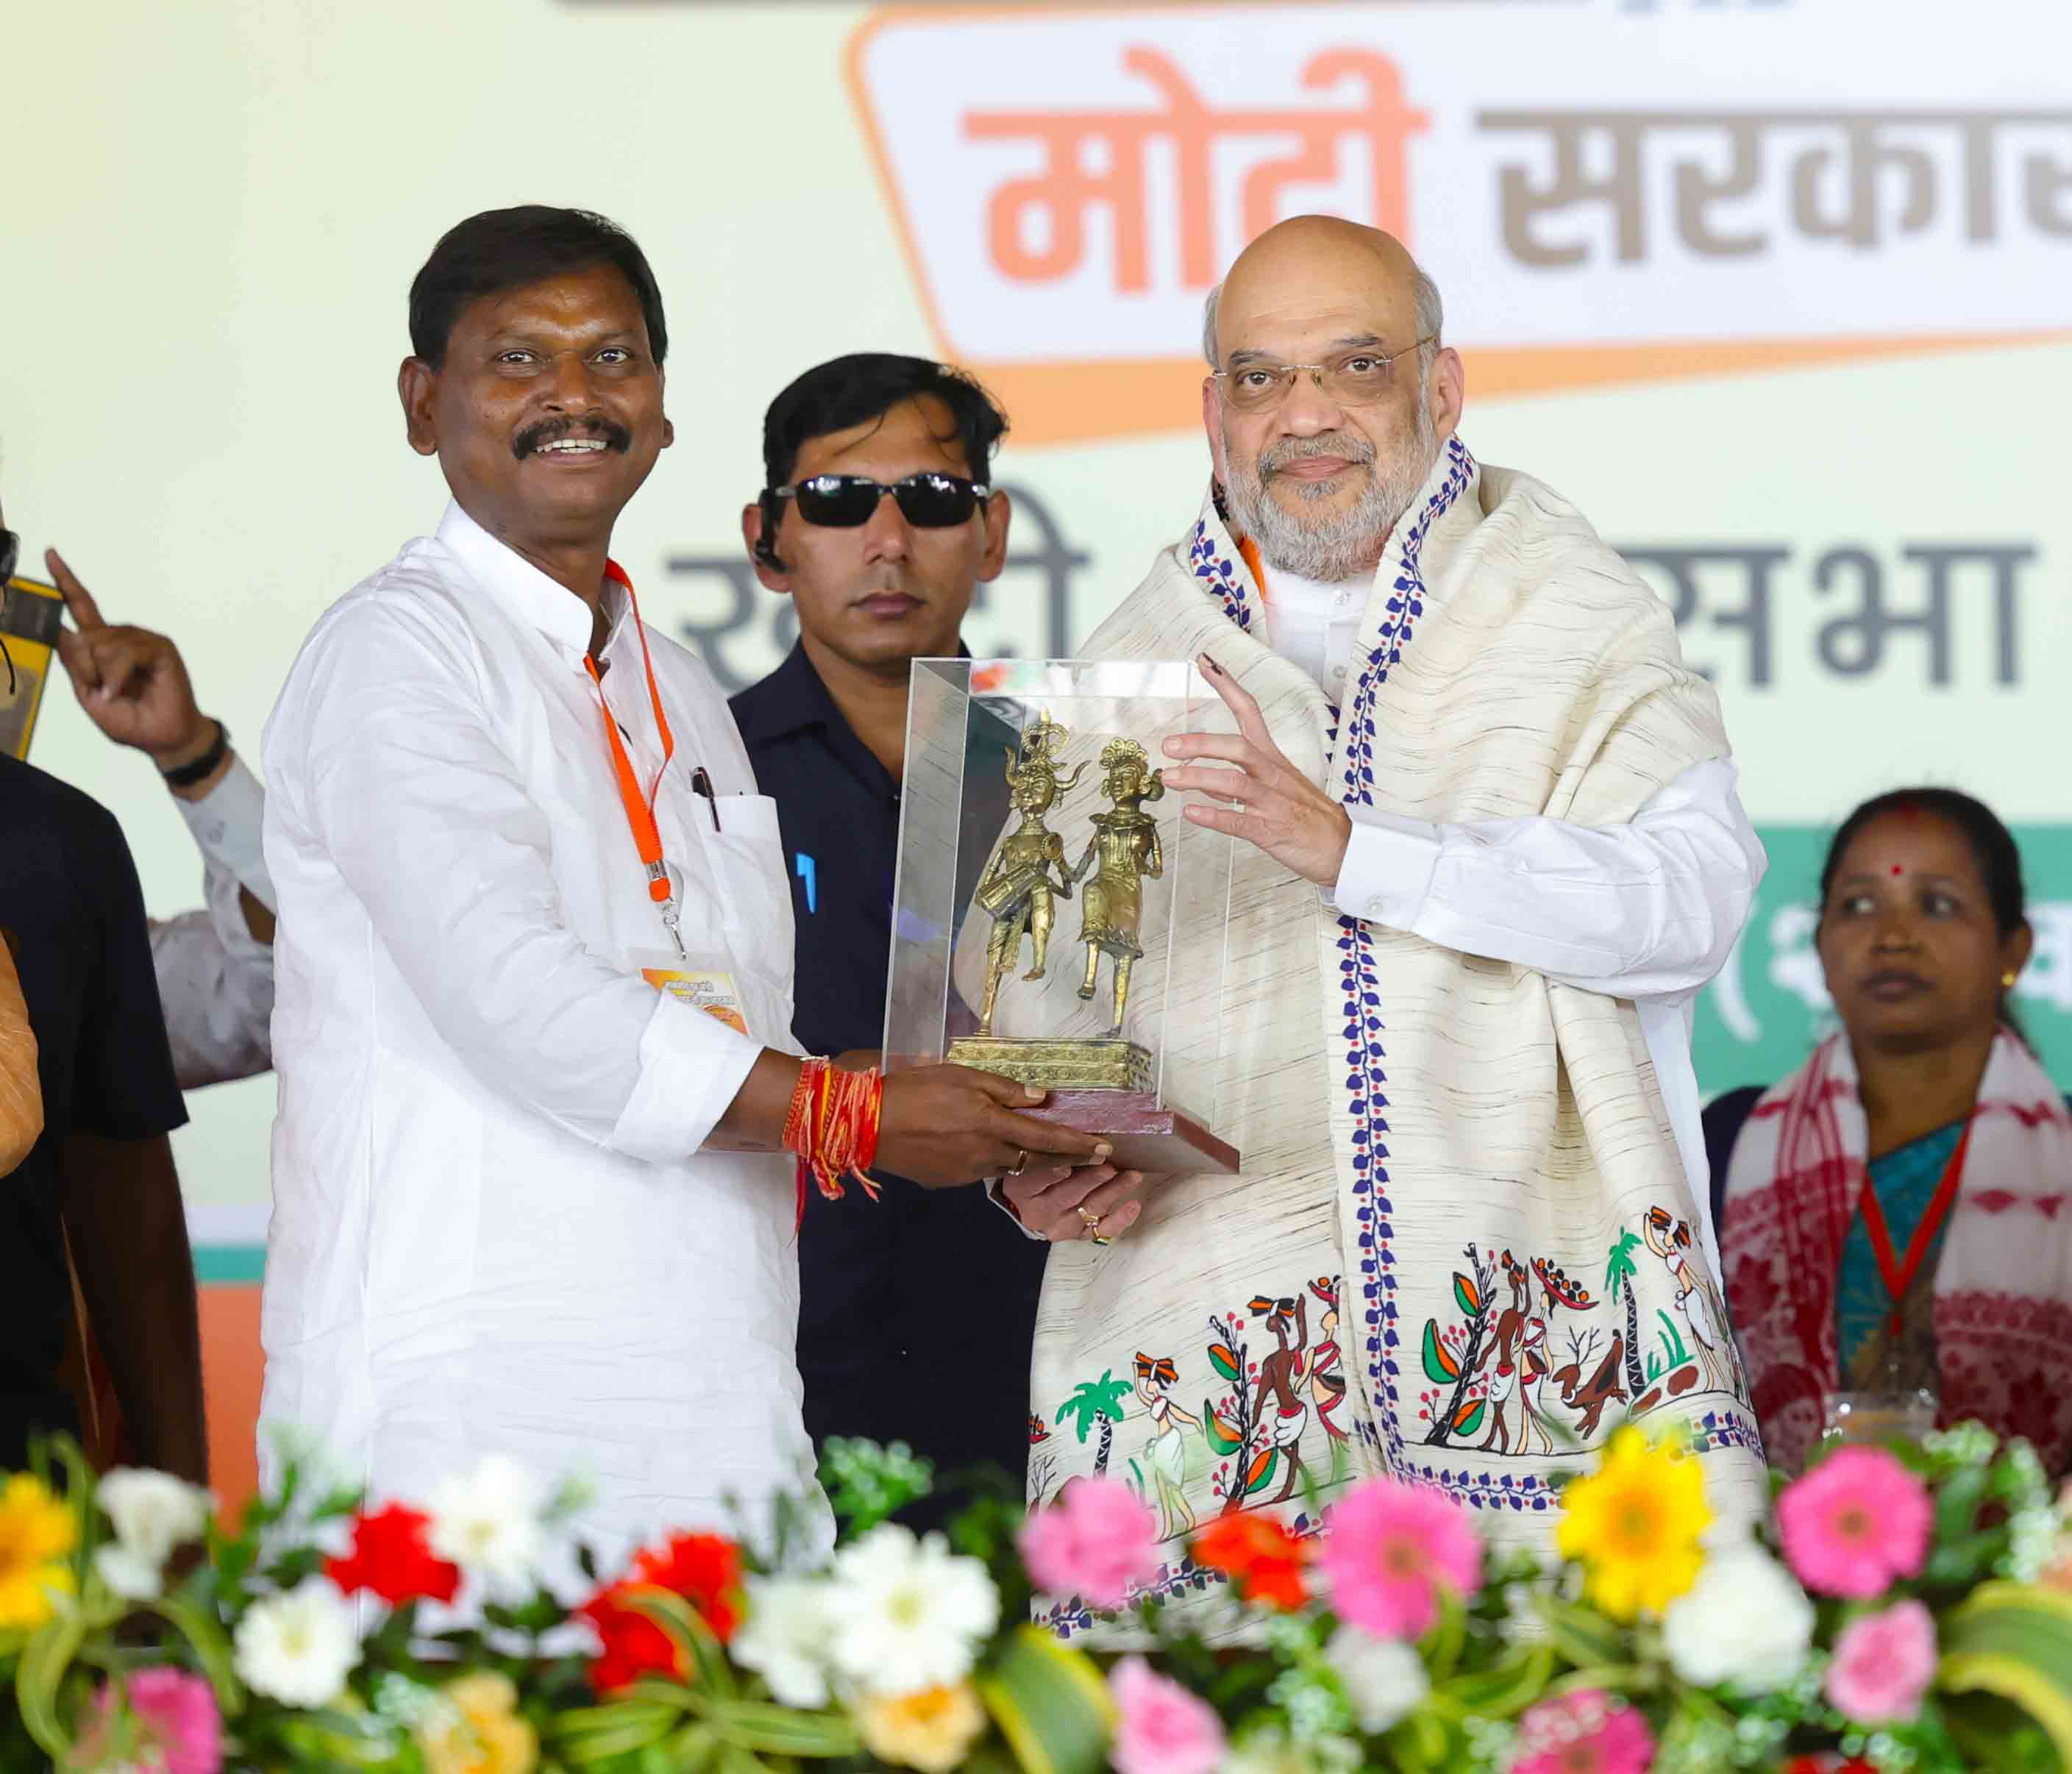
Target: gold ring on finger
x,y
1093,1227
1021,1162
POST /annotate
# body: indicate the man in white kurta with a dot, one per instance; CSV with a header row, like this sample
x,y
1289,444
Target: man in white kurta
x,y
1489,850
506,1218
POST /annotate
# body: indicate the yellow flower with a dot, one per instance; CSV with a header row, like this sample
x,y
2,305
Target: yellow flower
x,y
479,1731
36,1530
930,1730
1634,1522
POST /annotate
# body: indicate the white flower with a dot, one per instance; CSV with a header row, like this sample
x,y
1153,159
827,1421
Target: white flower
x,y
487,1521
906,1614
785,1638
1267,1749
152,1512
131,1575
1745,1621
299,1647
1383,1679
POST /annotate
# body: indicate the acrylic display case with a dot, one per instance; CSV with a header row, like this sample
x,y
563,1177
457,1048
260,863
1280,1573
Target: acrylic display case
x,y
1056,919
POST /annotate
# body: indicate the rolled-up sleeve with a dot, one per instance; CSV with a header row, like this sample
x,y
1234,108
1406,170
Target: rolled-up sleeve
x,y
1648,910
387,767
216,981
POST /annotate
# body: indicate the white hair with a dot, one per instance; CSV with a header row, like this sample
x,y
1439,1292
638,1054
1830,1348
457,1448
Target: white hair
x,y
1431,318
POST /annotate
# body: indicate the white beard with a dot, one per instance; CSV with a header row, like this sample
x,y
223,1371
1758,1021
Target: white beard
x,y
1339,546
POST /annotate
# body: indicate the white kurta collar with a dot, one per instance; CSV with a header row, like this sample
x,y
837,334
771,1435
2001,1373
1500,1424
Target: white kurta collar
x,y
543,603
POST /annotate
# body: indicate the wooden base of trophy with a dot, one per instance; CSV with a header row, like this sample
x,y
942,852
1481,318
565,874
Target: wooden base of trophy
x,y
1103,1087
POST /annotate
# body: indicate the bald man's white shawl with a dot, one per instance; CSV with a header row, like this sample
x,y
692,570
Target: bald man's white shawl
x,y
1431,1140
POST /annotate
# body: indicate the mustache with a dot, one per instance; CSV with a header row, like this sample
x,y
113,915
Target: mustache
x,y
1328,443
617,437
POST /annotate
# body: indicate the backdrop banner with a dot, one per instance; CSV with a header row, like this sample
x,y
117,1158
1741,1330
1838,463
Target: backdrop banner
x,y
1779,292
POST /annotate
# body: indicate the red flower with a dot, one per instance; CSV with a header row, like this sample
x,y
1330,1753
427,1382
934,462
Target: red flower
x,y
704,1569
1824,1763
1261,1556
391,1557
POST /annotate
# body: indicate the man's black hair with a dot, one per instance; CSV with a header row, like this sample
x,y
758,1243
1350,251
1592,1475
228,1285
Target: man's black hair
x,y
866,385
512,249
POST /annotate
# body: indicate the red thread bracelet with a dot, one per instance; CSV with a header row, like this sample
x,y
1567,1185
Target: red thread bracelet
x,y
832,1128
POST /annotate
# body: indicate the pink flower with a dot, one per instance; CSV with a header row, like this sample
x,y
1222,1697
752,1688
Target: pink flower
x,y
1855,1524
1883,1665
176,1726
1163,1729
1586,1733
1389,1548
1094,1542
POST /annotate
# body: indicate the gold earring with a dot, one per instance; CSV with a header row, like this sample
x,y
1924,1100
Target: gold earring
x,y
2007,979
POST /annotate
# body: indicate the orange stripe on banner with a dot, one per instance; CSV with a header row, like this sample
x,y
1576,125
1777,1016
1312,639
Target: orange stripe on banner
x,y
233,1365
1069,403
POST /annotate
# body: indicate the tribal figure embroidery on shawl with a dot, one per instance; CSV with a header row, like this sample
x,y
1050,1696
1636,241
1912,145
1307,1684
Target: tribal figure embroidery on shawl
x,y
1255,1430
1491,1368
1252,1444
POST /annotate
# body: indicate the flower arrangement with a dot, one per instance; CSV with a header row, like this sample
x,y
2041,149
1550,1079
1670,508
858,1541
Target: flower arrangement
x,y
1911,1610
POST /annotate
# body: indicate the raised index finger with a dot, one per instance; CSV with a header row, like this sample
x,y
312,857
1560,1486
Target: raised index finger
x,y
1239,701
79,602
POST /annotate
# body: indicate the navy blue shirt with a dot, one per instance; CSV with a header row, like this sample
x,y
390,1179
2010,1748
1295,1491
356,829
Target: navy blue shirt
x,y
69,896
916,1314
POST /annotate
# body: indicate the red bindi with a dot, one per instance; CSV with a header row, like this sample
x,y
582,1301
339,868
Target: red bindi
x,y
1898,870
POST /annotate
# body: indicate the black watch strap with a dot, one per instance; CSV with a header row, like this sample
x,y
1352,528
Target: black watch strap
x,y
188,774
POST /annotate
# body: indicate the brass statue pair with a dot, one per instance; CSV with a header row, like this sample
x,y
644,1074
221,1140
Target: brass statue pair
x,y
1027,874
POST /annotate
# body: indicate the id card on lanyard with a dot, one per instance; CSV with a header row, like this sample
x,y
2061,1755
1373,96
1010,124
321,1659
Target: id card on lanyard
x,y
710,989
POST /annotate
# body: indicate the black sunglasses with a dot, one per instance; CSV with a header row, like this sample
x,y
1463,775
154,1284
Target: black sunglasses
x,y
928,501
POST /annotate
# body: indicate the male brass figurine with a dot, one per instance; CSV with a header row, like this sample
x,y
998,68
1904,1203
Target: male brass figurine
x,y
1017,890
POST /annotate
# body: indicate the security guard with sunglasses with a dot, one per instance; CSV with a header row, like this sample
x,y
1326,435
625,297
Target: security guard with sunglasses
x,y
876,520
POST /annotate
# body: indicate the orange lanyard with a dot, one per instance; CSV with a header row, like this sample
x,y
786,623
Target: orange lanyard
x,y
1899,1273
640,807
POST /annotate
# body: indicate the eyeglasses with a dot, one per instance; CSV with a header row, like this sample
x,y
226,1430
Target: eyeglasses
x,y
928,501
1352,378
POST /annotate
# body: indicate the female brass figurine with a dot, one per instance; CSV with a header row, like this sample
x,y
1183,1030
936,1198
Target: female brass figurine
x,y
1125,844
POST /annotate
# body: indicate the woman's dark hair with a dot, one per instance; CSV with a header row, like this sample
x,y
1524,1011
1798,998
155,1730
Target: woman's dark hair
x,y
512,249
1992,846
866,385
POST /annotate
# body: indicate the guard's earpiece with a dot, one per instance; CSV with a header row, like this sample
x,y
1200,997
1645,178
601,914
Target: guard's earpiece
x,y
765,553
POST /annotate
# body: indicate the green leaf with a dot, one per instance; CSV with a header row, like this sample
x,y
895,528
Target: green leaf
x,y
1050,1704
1224,1362
586,1736
1441,1647
1440,1369
1505,1690
212,1649
1579,1636
769,1729
1219,1438
691,1633
2015,1641
1957,1502
41,1673
1464,1292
